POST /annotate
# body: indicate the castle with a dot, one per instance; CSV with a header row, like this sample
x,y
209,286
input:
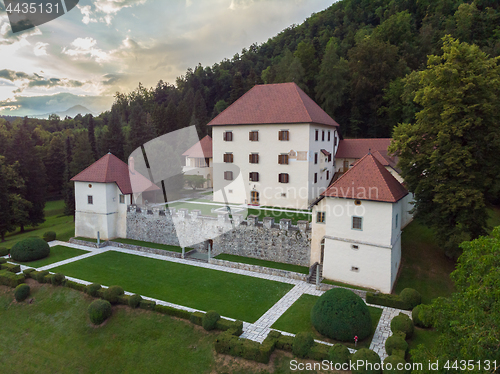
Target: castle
x,y
273,147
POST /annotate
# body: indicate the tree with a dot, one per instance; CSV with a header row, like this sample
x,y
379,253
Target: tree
x,y
54,164
449,156
195,181
140,131
115,138
91,132
237,88
6,216
82,154
69,189
468,320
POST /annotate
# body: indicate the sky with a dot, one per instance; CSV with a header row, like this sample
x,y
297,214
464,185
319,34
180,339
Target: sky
x,y
103,46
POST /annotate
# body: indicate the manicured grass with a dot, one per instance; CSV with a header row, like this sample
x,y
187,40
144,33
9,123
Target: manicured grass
x,y
424,265
426,337
340,284
298,319
269,264
277,215
57,253
63,226
140,243
231,295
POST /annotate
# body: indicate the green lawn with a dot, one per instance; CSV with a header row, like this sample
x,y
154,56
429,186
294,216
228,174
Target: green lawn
x,y
298,319
277,215
424,265
140,243
269,264
426,337
340,284
57,253
231,295
55,220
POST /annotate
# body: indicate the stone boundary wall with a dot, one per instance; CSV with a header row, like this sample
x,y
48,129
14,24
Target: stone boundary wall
x,y
89,244
259,269
326,287
155,251
266,240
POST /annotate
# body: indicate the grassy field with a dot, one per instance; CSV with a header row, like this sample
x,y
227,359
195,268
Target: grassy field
x,y
269,264
277,215
57,253
140,243
55,220
426,337
231,295
298,318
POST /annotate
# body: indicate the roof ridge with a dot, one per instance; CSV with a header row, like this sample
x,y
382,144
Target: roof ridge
x,y
303,104
107,166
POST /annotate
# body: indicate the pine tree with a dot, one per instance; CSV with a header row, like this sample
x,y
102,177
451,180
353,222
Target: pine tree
x,y
171,123
5,208
237,88
54,164
115,138
69,189
91,132
82,154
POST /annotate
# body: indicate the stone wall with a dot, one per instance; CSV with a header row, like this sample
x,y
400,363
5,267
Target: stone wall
x,y
260,269
267,240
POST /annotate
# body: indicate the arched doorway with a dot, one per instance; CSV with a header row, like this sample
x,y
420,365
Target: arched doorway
x,y
322,246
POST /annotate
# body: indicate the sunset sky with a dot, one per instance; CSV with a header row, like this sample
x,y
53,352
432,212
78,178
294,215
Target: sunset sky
x,y
104,46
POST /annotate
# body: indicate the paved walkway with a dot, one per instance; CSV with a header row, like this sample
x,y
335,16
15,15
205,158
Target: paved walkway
x,y
255,331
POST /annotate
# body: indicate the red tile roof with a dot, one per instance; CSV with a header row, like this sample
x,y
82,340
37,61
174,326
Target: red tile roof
x,y
357,148
273,103
368,179
386,160
325,152
202,149
110,169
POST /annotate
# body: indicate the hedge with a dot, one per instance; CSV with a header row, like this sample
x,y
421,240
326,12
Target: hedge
x,y
13,268
339,354
226,325
402,323
134,301
391,301
395,342
147,304
40,276
421,316
92,289
22,292
411,296
74,285
368,356
99,311
302,343
123,299
3,260
318,352
168,310
10,279
27,272
30,249
113,293
4,251
391,364
197,318
58,279
210,319
285,343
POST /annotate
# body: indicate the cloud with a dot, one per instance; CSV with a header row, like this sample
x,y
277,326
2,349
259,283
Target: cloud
x,y
40,49
36,80
85,48
8,37
105,10
113,79
12,75
4,83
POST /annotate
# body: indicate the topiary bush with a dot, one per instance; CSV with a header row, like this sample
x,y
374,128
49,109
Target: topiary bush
x,y
421,316
40,276
112,293
340,314
48,236
339,354
22,292
99,311
30,249
391,365
134,301
92,289
402,323
302,344
411,296
209,320
58,279
395,341
367,355
4,251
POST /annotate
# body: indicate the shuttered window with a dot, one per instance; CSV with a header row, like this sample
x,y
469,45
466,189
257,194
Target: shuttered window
x,y
254,177
228,175
283,159
315,177
228,136
253,158
228,157
283,178
284,135
253,136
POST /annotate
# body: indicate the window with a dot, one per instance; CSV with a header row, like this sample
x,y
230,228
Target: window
x,y
228,175
330,157
335,141
90,199
200,163
283,159
315,177
315,158
355,247
284,135
397,216
254,197
357,202
254,136
328,175
357,223
328,135
228,136
323,135
228,157
254,177
283,178
122,199
320,217
253,158
317,135
354,268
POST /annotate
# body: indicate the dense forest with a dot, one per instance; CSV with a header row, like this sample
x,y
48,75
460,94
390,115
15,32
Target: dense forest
x,y
355,59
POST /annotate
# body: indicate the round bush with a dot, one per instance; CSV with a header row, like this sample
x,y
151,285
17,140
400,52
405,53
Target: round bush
x,y
40,276
112,293
134,301
302,344
210,319
22,292
411,296
402,323
99,311
48,236
4,251
367,355
30,249
421,316
391,365
339,354
395,342
57,279
92,289
340,314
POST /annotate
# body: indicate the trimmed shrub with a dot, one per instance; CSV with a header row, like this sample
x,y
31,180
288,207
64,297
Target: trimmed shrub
x,y
411,296
421,316
395,342
399,353
147,304
302,343
402,323
285,342
10,279
13,268
226,343
40,276
123,299
22,292
99,311
48,236
340,314
367,355
4,251
74,285
179,313
92,289
112,293
391,365
27,272
392,301
339,354
197,318
134,301
30,249
3,260
58,279
210,319
318,352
